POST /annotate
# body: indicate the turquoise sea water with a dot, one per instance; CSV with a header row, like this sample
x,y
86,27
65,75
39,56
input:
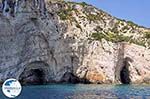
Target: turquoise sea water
x,y
81,91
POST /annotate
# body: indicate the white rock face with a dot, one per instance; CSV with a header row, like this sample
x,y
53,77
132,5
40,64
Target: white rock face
x,y
138,62
37,46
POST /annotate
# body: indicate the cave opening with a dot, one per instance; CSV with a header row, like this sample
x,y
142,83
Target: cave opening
x,y
124,74
33,77
39,76
69,77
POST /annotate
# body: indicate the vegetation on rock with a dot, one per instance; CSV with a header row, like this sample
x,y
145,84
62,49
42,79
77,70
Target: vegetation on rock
x,y
116,37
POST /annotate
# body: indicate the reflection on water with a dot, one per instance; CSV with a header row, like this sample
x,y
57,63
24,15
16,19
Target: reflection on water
x,y
80,91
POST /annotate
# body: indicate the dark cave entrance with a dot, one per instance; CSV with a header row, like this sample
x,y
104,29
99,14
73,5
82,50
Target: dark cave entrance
x,y
35,73
124,74
33,77
38,76
69,77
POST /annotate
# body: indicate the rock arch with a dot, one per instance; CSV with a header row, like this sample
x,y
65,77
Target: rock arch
x,y
35,73
122,72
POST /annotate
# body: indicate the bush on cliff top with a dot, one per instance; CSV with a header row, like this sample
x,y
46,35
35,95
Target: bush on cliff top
x,y
115,37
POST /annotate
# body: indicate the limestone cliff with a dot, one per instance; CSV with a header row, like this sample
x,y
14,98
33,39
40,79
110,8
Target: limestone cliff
x,y
44,41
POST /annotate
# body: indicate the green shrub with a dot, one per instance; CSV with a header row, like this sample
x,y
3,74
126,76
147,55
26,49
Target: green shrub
x,y
98,36
83,4
110,36
131,23
147,35
65,14
115,37
125,28
79,3
92,17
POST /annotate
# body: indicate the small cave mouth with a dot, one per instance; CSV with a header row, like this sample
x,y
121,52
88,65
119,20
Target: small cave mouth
x,y
69,77
33,77
124,75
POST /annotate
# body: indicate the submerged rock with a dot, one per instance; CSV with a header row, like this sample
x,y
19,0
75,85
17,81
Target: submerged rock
x,y
43,42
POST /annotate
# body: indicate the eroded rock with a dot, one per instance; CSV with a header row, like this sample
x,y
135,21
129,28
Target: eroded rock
x,y
51,42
